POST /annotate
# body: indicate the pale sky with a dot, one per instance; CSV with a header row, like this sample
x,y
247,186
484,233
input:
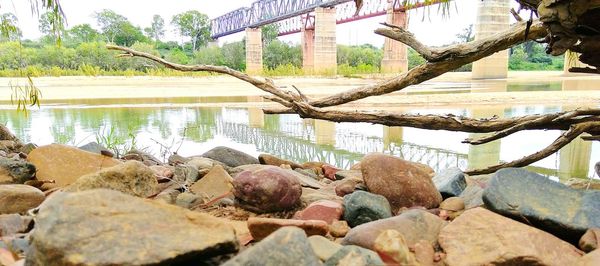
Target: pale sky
x,y
434,30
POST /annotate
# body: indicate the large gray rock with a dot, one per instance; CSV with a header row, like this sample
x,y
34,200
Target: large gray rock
x,y
450,182
472,196
286,246
19,198
132,177
362,207
15,171
94,147
354,255
106,227
545,204
230,157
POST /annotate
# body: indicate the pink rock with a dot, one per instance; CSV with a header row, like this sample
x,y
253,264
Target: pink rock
x,y
263,227
329,171
324,210
267,189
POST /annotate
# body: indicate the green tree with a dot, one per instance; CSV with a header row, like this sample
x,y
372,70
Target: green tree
x,y
157,28
8,27
194,25
212,55
110,23
83,33
466,35
278,53
235,55
47,26
269,33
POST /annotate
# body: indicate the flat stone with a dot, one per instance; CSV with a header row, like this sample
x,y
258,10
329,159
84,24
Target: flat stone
x,y
286,246
405,184
481,237
362,207
323,247
268,159
230,157
324,210
414,225
310,196
263,227
354,255
214,184
11,224
19,198
589,241
551,206
107,227
15,171
132,177
267,189
65,164
450,182
348,174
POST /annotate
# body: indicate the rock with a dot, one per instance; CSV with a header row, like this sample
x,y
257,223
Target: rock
x,y
392,248
214,184
472,196
132,177
323,247
348,174
168,196
307,172
287,246
141,156
362,207
19,198
162,172
590,259
403,183
11,224
589,241
324,210
552,207
267,189
263,227
339,228
305,181
481,237
94,147
310,195
451,208
106,227
177,159
580,183
201,163
268,159
65,164
329,171
414,225
10,145
450,182
15,171
27,148
347,186
353,255
186,174
188,200
230,157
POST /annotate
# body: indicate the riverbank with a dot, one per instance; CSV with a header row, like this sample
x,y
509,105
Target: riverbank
x,y
449,89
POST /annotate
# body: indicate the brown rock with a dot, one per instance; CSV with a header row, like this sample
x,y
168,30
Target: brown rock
x,y
19,198
590,259
347,186
267,189
481,237
310,195
65,164
268,159
453,204
132,177
580,183
589,241
162,171
324,210
316,166
263,227
329,171
214,184
414,225
339,228
392,248
403,183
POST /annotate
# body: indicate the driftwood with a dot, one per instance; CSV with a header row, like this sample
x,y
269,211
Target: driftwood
x,y
439,61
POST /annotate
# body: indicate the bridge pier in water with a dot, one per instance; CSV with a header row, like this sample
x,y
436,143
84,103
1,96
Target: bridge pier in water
x,y
325,42
395,53
254,60
492,17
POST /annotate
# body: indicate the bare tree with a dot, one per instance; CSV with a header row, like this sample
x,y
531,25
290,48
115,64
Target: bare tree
x,y
438,61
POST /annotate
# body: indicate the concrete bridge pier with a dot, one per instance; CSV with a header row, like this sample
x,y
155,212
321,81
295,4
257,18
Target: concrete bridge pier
x,y
492,17
395,53
308,50
254,60
325,42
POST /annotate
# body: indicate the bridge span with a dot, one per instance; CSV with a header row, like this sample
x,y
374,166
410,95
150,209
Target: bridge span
x,y
316,20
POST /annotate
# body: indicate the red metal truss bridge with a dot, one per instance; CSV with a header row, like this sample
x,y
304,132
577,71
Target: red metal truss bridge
x,y
294,15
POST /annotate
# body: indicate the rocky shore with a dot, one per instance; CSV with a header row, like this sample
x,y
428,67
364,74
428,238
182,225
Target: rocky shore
x,y
62,205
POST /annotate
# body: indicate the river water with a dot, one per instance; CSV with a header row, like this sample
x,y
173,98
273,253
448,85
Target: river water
x,y
184,126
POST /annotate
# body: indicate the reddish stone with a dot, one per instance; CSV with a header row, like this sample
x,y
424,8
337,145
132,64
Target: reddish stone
x,y
329,171
267,189
263,227
589,241
324,210
346,186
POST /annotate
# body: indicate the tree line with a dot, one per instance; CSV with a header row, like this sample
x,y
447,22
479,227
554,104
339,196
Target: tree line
x,y
81,51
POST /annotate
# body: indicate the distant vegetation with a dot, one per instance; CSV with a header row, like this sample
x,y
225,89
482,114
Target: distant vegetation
x,y
80,50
